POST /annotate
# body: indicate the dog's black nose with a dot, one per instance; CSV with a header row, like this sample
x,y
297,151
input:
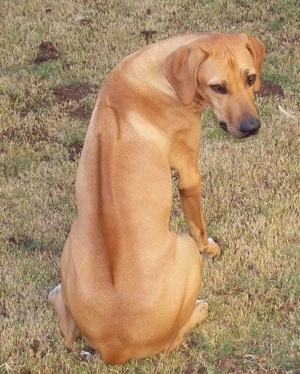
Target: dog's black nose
x,y
250,126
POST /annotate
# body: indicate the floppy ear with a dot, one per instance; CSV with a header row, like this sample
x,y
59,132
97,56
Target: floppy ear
x,y
181,69
257,50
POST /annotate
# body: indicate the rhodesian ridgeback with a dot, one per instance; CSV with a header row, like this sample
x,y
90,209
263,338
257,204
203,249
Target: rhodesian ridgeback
x,y
128,284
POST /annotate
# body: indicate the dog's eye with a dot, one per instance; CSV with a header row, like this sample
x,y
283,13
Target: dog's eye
x,y
218,88
251,79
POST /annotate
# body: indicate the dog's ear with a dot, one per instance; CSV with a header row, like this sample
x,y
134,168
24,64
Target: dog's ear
x,y
257,50
181,70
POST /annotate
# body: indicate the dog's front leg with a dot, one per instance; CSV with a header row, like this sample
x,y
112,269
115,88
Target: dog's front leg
x,y
189,184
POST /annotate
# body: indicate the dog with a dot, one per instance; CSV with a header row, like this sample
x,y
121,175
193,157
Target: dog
x,y
128,284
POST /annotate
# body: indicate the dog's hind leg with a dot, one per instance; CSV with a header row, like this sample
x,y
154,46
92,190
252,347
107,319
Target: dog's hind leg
x,y
199,314
67,325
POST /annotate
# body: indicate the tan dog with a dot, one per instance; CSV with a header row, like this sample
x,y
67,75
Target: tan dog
x,y
128,284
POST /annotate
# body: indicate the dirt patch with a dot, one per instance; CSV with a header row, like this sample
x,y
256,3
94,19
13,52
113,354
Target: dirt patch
x,y
230,364
35,345
31,135
66,94
47,51
26,242
82,112
75,149
25,111
74,92
33,104
190,369
269,89
148,34
201,370
4,311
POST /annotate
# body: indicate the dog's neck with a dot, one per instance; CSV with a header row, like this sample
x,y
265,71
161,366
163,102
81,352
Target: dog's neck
x,y
200,100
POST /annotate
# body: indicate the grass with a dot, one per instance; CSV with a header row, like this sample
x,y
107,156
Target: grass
x,y
250,188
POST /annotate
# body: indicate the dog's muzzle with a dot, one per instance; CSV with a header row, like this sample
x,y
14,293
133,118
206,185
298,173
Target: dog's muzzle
x,y
250,126
247,128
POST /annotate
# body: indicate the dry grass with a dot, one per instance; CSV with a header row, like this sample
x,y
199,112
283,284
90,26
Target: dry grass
x,y
250,188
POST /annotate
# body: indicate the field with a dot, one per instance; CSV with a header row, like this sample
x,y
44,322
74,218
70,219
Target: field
x,y
53,57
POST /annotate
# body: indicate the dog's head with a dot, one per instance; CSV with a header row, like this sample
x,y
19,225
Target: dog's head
x,y
222,71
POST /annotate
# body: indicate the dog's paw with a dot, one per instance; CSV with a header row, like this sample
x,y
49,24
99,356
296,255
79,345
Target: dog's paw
x,y
203,303
202,309
86,356
88,353
53,294
212,248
